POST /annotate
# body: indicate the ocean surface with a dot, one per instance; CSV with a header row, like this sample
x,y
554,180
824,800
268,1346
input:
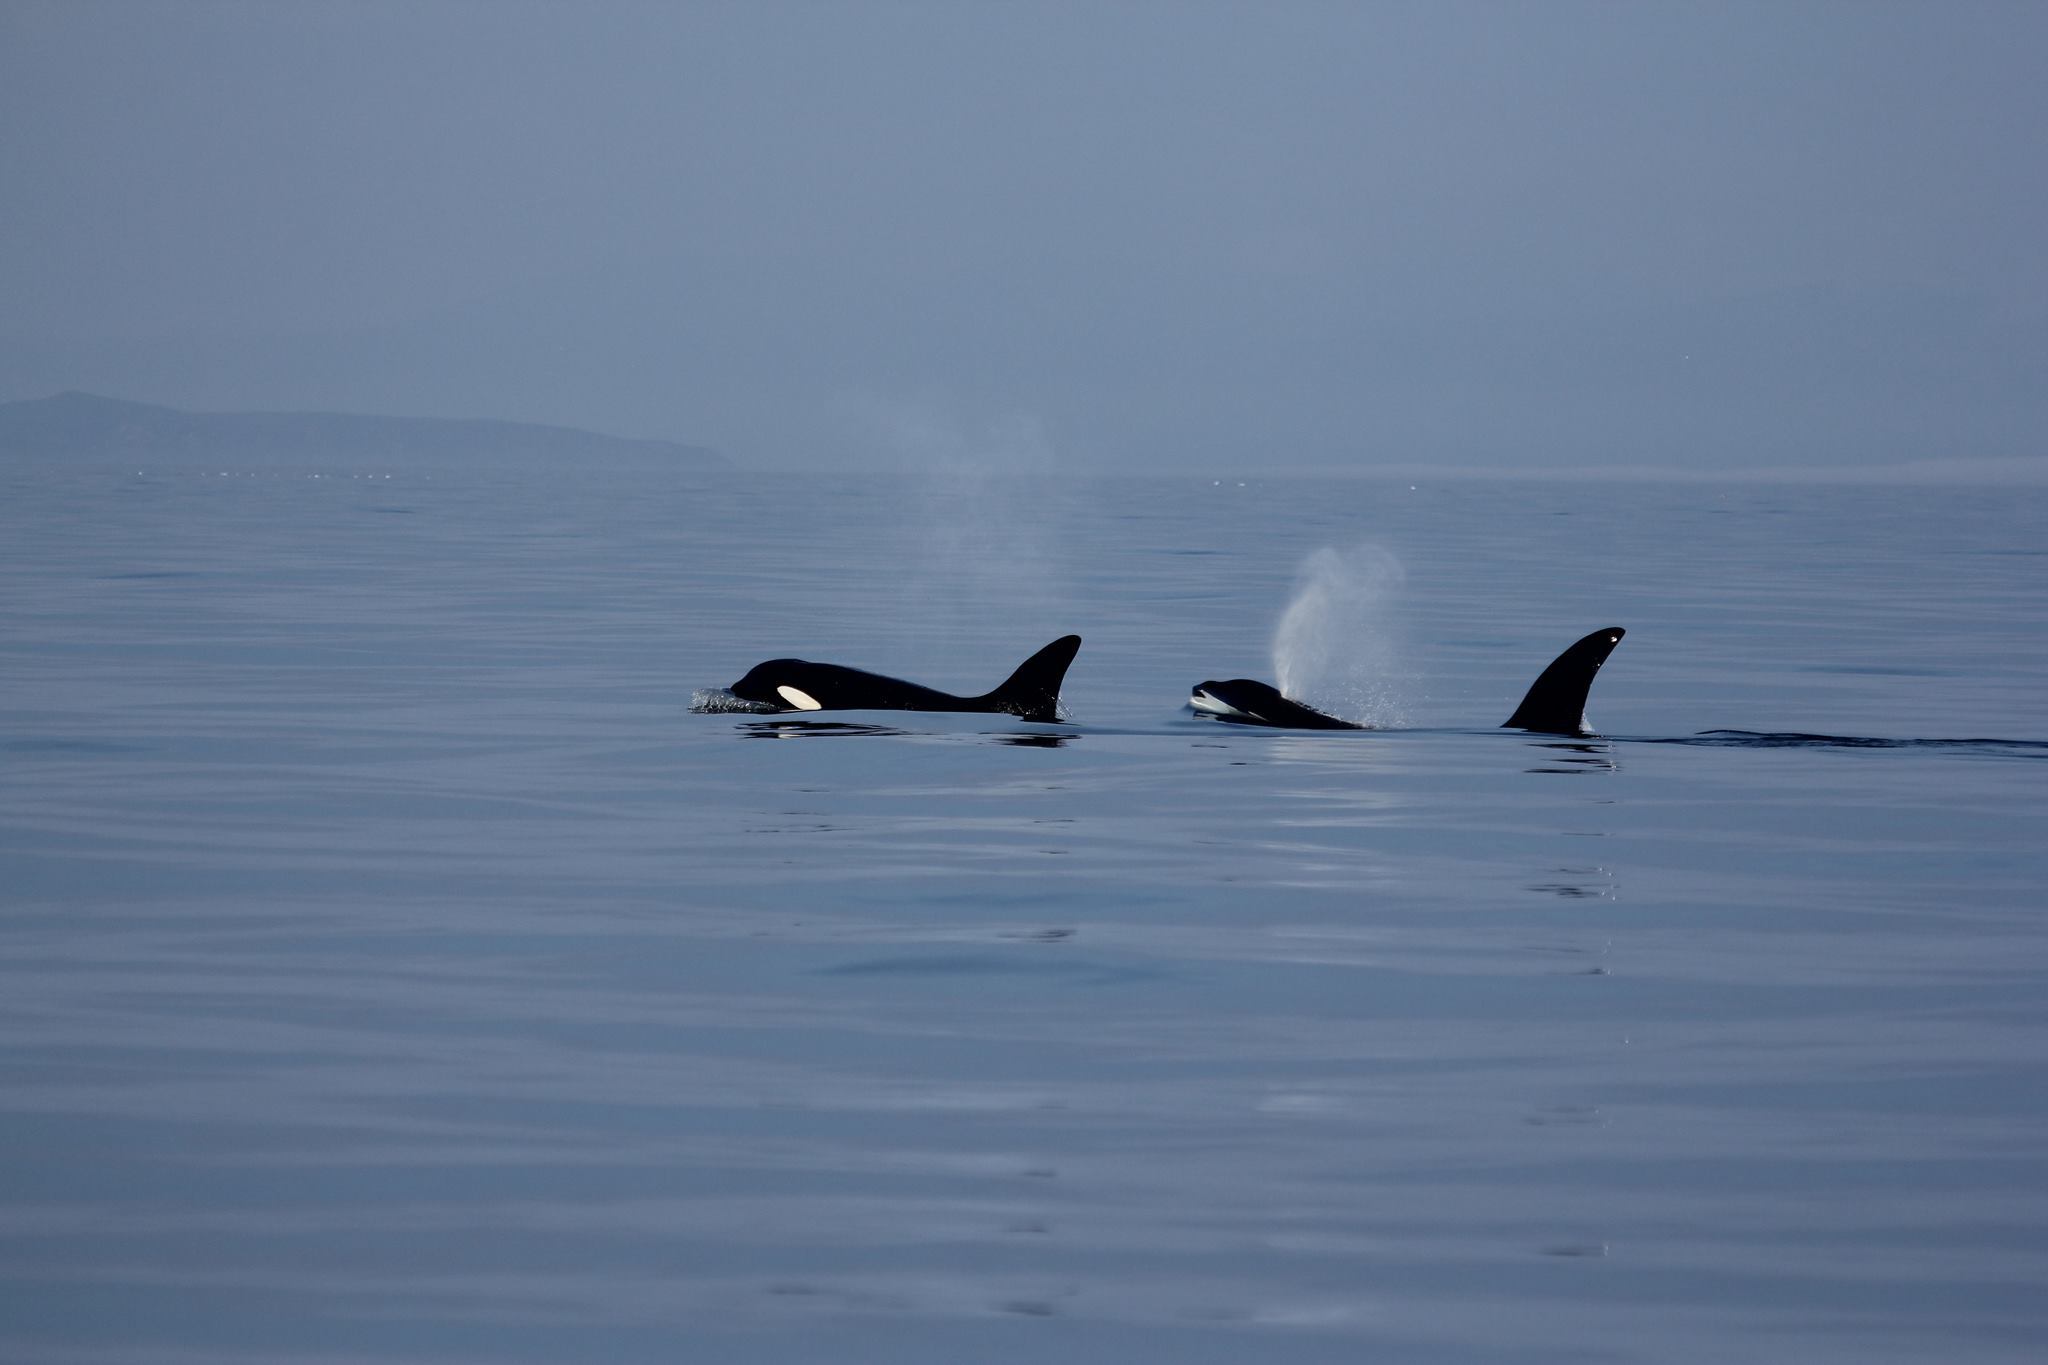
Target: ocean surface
x,y
394,967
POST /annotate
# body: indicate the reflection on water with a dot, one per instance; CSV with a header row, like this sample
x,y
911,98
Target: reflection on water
x,y
825,729
1575,756
811,729
1578,883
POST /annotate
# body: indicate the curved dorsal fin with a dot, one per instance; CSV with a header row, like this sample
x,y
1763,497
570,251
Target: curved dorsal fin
x,y
1556,703
1033,691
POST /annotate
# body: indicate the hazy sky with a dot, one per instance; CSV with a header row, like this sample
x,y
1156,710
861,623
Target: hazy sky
x,y
1115,235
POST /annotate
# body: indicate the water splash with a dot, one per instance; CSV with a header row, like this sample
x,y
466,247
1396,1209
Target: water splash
x,y
716,700
1336,647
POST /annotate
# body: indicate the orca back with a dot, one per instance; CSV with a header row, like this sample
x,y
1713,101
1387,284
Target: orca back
x,y
1031,693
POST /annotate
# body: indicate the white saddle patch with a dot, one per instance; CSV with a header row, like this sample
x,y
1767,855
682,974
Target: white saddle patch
x,y
799,700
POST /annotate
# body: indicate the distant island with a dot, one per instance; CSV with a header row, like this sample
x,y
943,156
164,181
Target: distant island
x,y
85,425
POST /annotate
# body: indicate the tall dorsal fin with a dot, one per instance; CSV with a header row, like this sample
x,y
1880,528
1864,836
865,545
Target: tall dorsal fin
x,y
1033,691
1556,703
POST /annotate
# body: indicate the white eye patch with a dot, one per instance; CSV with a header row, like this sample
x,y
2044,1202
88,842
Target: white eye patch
x,y
799,700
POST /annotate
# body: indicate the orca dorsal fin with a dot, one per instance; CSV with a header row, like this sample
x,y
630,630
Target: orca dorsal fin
x,y
1556,703
1033,691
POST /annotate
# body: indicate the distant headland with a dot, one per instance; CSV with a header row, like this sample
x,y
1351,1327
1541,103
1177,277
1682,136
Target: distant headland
x,y
84,425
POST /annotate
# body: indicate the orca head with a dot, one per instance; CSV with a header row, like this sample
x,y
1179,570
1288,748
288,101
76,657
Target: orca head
x,y
1250,702
775,684
1237,697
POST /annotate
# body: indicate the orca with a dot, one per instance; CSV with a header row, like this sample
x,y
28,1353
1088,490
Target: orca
x,y
1555,704
1247,701
1031,693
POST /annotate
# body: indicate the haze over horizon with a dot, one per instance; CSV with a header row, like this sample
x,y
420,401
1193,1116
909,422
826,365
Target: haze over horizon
x,y
1129,238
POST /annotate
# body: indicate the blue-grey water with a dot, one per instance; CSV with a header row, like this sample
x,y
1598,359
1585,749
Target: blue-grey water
x,y
393,968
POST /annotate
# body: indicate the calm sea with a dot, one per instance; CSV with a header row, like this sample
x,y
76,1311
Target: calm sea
x,y
393,967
